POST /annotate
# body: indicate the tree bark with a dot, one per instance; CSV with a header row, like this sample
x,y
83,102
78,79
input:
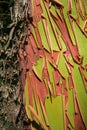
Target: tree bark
x,y
14,20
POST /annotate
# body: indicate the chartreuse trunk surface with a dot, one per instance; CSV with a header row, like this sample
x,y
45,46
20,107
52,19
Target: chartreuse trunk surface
x,y
55,91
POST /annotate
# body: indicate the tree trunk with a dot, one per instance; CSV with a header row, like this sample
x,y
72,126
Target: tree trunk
x,y
43,65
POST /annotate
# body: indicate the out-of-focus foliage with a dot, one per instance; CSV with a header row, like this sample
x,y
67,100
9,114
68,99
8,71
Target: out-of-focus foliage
x,y
55,91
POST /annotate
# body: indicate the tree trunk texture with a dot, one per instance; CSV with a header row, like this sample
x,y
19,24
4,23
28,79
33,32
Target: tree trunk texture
x,y
14,22
43,65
